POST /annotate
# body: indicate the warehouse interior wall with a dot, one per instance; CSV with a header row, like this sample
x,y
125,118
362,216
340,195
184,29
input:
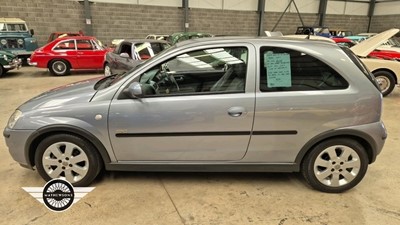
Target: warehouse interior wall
x,y
137,18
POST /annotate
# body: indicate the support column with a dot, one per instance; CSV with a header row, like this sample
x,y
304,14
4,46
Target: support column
x,y
371,11
261,12
88,19
185,6
322,11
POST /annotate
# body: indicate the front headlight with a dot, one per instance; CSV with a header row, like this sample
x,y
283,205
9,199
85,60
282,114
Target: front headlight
x,y
14,118
5,57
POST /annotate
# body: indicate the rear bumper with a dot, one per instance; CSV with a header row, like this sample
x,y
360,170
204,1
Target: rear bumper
x,y
375,135
31,63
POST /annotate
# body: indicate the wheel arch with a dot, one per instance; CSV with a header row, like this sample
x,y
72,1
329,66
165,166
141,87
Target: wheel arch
x,y
34,140
364,139
60,59
387,70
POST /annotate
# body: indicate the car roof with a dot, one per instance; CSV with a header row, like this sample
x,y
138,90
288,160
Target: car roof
x,y
11,20
145,40
251,39
76,37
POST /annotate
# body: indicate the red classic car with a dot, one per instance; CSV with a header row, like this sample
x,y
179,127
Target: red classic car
x,y
342,41
64,54
385,54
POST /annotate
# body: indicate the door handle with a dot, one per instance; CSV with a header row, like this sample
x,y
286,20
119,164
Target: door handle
x,y
80,53
237,111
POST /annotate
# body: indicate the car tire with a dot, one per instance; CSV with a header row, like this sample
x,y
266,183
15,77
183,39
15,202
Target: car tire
x,y
2,70
107,70
59,67
386,81
68,156
335,165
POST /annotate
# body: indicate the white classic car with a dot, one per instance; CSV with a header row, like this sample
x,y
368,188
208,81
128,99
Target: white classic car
x,y
385,71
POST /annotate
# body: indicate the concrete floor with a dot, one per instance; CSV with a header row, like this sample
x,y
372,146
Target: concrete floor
x,y
197,198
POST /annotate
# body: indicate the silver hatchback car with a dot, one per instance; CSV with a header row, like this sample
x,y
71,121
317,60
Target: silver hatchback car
x,y
215,104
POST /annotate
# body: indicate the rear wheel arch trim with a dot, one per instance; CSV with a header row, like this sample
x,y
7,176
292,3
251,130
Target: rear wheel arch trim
x,y
43,132
365,140
59,59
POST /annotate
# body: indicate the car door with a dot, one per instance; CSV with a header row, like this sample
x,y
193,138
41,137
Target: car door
x,y
299,97
66,49
208,119
89,57
122,58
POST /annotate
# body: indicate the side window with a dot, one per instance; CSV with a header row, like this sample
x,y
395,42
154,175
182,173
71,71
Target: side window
x,y
217,70
143,51
289,70
126,48
84,45
65,45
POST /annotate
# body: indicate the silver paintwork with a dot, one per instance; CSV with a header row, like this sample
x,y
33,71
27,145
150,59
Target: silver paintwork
x,y
311,114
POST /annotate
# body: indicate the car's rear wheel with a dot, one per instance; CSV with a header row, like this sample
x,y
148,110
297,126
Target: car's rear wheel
x,y
386,81
107,70
68,156
335,165
59,67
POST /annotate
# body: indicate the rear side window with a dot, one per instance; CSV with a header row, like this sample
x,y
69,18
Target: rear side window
x,y
65,45
84,45
361,66
285,69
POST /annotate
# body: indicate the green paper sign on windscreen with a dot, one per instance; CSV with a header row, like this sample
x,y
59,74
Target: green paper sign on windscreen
x,y
278,69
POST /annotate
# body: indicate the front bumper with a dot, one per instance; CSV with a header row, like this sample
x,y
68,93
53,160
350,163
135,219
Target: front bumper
x,y
16,63
15,141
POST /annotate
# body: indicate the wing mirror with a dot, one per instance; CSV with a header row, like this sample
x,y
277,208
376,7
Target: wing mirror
x,y
32,32
124,55
134,90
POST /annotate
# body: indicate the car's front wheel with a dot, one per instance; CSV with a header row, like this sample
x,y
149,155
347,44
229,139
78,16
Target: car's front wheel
x,y
59,67
68,156
335,165
386,81
107,70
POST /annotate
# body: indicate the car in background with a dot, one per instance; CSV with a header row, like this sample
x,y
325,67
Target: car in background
x,y
340,32
385,54
8,61
344,41
183,36
356,38
386,72
313,30
15,37
64,54
216,104
56,35
163,37
367,35
130,53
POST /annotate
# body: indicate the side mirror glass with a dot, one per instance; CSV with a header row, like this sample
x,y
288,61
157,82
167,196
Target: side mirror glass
x,y
135,90
32,32
124,55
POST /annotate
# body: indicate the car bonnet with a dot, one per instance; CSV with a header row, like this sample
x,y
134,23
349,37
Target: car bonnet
x,y
363,48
